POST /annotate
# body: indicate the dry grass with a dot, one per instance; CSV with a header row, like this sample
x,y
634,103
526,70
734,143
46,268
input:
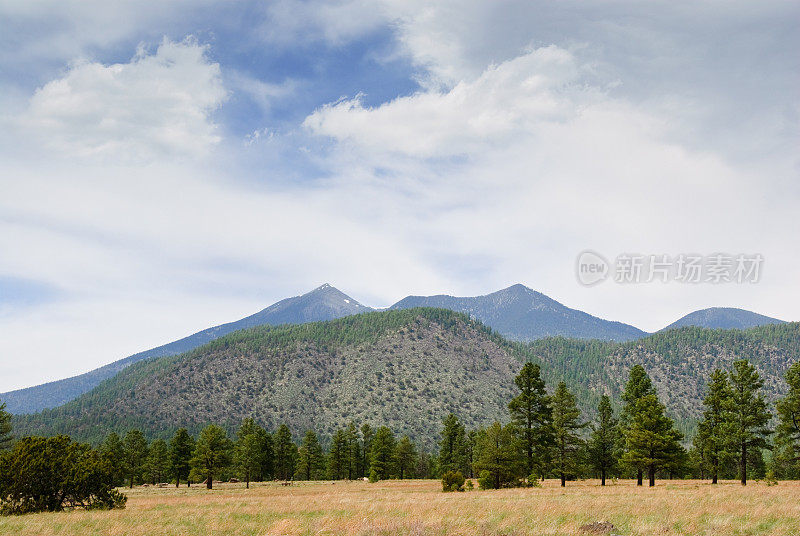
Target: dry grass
x,y
420,508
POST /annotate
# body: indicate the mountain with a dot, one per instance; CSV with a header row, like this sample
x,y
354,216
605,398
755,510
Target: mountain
x,y
322,303
406,369
403,368
723,318
522,314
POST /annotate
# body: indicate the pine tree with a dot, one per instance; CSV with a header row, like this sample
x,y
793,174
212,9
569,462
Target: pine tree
x,y
750,414
338,456
267,468
382,455
452,445
789,427
285,453
181,448
715,430
6,439
605,442
157,461
497,456
405,457
651,438
310,459
638,386
135,454
532,418
353,452
113,451
212,452
249,449
566,427
367,435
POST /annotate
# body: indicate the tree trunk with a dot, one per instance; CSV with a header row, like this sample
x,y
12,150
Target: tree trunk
x,y
652,474
497,480
714,477
639,477
563,480
210,481
247,478
131,480
743,465
602,477
177,481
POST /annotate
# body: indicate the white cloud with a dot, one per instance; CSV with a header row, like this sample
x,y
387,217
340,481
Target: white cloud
x,y
157,104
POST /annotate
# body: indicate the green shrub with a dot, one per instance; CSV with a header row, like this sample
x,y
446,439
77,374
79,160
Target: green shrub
x,y
469,486
453,481
485,480
50,474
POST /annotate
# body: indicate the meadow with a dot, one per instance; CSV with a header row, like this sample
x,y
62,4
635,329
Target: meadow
x,y
420,508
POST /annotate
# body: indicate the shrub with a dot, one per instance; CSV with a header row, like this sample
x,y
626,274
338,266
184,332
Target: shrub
x,y
453,481
485,480
469,486
532,481
52,474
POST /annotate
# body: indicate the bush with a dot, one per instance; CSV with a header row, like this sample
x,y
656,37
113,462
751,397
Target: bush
x,y
532,481
469,486
453,481
485,480
52,474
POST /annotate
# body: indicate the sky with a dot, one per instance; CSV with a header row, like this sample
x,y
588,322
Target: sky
x,y
169,166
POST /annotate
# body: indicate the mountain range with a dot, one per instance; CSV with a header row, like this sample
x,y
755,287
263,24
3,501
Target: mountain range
x,y
518,313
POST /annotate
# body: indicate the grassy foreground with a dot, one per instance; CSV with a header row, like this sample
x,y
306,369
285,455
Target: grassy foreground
x,y
420,508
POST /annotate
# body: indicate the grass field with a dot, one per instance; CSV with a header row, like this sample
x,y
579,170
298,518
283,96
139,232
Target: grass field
x,y
420,508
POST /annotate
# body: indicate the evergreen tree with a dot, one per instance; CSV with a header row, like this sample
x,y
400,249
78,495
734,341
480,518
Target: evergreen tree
x,y
113,451
367,434
338,456
639,385
452,446
353,452
750,414
285,453
651,438
405,457
212,452
605,442
472,438
497,457
157,465
6,439
135,448
566,427
714,431
789,427
267,468
181,448
310,460
249,452
532,418
382,454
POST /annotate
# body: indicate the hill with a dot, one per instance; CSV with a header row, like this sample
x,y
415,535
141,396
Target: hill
x,y
522,314
723,318
322,303
404,368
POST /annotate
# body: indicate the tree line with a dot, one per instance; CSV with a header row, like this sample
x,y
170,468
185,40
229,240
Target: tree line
x,y
545,436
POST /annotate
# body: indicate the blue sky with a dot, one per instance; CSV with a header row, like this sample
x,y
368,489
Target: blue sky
x,y
167,166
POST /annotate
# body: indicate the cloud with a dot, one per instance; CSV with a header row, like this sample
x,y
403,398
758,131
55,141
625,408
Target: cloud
x,y
505,101
157,104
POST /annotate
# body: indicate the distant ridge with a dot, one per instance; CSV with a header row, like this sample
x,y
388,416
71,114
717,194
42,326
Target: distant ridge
x,y
723,318
523,314
322,303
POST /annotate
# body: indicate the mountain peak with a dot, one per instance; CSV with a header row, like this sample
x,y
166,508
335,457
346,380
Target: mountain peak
x,y
723,318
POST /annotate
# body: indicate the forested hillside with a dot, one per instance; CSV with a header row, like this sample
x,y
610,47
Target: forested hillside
x,y
403,368
406,369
